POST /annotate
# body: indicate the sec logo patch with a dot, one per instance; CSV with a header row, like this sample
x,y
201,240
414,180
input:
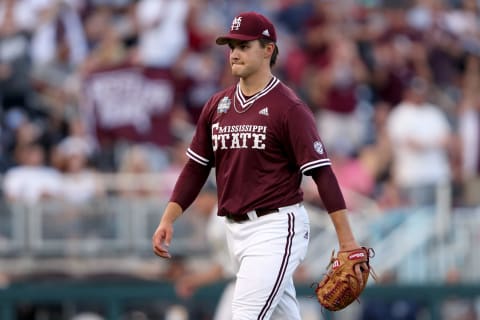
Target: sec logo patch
x,y
318,146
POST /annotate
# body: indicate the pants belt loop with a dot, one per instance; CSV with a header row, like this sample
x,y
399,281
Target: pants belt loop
x,y
252,215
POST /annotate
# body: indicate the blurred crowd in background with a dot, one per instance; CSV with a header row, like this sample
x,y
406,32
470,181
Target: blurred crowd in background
x,y
95,88
116,86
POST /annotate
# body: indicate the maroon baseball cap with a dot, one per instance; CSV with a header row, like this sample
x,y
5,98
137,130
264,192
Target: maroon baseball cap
x,y
249,26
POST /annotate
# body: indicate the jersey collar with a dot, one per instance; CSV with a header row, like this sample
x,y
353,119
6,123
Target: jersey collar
x,y
248,102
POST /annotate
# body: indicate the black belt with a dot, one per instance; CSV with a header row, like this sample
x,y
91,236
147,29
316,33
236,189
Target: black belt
x,y
244,217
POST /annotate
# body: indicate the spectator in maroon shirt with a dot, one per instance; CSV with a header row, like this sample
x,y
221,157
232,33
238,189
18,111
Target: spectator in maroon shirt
x,y
399,54
333,90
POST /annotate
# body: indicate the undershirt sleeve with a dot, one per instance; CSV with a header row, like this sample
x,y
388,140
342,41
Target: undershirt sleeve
x,y
189,183
328,188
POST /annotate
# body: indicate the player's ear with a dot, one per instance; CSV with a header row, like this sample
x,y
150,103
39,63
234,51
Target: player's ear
x,y
269,48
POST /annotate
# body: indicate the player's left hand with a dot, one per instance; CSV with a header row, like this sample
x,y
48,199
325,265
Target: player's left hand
x,y
358,268
161,240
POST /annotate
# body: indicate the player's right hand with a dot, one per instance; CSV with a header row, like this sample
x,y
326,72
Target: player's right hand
x,y
161,240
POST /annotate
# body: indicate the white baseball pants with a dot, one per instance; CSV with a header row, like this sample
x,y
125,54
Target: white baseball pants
x,y
266,251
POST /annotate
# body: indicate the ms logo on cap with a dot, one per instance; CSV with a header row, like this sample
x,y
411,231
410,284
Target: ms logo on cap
x,y
237,21
248,26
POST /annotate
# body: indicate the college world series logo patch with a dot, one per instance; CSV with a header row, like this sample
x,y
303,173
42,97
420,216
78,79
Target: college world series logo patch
x,y
224,105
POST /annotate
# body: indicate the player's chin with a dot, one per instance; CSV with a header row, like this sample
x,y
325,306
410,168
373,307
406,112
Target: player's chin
x,y
237,70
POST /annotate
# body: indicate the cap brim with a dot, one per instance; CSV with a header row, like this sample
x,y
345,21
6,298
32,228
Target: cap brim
x,y
229,37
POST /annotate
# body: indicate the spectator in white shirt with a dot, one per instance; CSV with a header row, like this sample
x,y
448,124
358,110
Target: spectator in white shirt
x,y
420,134
80,183
162,31
31,181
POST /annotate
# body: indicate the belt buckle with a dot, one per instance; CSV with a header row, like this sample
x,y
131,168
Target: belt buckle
x,y
251,215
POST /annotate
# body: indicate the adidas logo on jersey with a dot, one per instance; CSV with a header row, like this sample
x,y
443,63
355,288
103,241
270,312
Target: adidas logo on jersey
x,y
264,111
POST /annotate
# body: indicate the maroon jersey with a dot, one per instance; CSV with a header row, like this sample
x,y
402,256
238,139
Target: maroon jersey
x,y
259,146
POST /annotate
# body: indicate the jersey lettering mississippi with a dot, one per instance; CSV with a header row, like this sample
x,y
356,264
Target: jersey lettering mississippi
x,y
238,137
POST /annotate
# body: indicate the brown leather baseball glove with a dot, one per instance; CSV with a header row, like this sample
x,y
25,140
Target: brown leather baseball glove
x,y
342,285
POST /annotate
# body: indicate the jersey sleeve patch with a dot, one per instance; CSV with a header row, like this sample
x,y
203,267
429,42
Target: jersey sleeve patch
x,y
315,164
197,158
318,146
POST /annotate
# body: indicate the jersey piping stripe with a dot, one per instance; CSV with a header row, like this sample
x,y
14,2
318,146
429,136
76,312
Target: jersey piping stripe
x,y
283,267
273,82
245,102
262,93
197,158
315,164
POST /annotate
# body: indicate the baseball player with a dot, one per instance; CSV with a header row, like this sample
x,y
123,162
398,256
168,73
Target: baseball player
x,y
261,138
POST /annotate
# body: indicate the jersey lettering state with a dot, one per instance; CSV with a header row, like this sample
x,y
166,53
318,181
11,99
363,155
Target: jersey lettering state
x,y
270,136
